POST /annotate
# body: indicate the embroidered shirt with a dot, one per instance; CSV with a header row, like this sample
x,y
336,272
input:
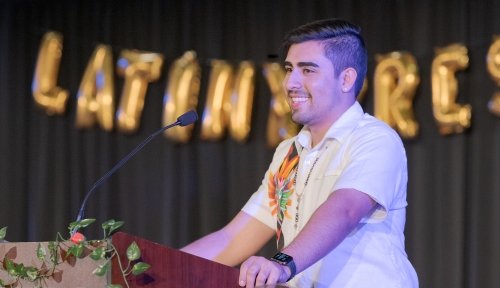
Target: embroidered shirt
x,y
359,152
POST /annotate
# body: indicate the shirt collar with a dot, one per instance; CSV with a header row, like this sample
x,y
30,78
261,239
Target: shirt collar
x,y
339,129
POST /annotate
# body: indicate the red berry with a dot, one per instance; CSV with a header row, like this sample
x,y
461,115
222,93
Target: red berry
x,y
77,238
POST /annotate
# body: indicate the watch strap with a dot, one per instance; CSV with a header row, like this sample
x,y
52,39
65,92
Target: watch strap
x,y
285,260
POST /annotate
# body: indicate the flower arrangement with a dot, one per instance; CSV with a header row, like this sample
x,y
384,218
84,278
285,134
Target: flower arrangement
x,y
69,250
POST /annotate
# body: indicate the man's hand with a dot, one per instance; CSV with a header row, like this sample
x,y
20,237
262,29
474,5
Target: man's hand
x,y
259,271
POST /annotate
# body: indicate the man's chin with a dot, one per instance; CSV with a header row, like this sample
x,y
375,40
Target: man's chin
x,y
297,119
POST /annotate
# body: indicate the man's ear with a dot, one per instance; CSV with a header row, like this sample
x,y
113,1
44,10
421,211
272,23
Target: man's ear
x,y
348,78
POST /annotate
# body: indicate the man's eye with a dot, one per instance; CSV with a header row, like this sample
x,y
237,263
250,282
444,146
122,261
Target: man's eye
x,y
288,69
307,71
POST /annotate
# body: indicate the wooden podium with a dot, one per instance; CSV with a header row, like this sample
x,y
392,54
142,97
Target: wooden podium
x,y
171,267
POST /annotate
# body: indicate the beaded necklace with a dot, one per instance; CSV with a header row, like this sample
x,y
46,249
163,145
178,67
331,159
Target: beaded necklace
x,y
299,196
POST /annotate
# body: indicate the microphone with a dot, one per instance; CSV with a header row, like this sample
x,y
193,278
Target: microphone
x,y
185,119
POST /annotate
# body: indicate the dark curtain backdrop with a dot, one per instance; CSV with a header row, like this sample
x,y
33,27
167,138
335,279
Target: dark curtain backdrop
x,y
174,193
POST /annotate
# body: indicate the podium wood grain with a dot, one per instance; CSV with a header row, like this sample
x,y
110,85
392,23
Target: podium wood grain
x,y
171,267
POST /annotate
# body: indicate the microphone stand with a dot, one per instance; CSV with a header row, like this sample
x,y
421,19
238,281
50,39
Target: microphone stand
x,y
185,119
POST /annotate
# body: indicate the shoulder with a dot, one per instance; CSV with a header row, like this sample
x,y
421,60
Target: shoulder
x,y
371,127
376,136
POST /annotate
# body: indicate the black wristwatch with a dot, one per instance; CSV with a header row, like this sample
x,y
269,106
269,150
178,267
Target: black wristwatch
x,y
284,259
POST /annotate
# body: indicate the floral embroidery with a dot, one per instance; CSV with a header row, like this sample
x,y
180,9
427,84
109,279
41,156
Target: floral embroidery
x,y
280,189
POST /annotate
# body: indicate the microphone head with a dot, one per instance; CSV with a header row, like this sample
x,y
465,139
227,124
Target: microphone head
x,y
187,118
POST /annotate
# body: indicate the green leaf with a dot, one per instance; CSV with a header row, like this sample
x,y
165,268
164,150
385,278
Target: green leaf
x,y
52,246
86,222
3,232
133,252
72,226
98,253
19,270
140,268
107,224
76,250
101,270
54,255
10,267
40,252
31,273
115,227
113,286
77,225
111,225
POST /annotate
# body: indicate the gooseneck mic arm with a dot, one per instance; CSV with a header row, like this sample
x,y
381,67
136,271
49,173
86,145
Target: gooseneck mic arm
x,y
185,119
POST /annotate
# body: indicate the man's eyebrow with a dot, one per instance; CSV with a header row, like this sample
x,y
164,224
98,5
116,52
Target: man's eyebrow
x,y
307,64
302,64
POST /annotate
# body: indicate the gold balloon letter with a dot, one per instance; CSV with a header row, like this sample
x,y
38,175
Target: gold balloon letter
x,y
242,102
226,103
214,119
95,95
139,68
450,116
279,124
45,91
181,94
396,79
493,62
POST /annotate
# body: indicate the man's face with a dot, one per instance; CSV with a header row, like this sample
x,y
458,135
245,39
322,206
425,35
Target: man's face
x,y
314,93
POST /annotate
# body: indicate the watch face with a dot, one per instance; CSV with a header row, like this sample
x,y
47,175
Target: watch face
x,y
282,257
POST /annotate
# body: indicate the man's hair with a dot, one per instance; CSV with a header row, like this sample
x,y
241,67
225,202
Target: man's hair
x,y
342,43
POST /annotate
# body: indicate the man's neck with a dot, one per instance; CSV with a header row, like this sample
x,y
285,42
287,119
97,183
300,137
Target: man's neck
x,y
317,134
318,130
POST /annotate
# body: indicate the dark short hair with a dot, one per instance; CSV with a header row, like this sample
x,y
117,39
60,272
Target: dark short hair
x,y
343,45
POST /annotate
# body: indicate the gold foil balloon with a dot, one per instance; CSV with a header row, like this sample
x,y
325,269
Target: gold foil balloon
x,y
279,125
181,94
450,116
242,101
96,92
46,93
493,63
396,80
139,68
229,101
214,118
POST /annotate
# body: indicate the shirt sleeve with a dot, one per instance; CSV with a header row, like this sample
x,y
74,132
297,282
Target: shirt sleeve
x,y
376,166
258,206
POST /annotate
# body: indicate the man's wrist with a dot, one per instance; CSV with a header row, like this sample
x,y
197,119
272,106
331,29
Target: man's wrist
x,y
285,260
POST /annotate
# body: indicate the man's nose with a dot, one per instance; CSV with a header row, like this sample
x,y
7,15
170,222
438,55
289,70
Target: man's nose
x,y
292,81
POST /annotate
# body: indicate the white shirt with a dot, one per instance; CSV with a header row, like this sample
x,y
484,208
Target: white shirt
x,y
362,153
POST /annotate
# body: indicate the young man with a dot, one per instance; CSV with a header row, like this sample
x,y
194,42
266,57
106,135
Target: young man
x,y
334,196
